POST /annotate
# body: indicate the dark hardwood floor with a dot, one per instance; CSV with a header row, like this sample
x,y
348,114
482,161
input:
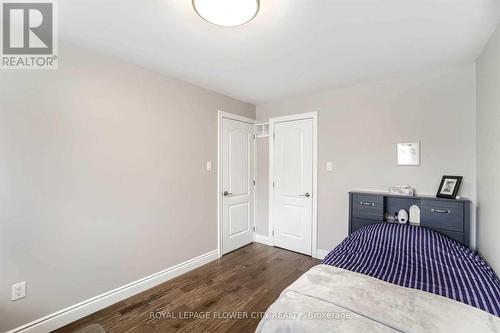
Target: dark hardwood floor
x,y
242,283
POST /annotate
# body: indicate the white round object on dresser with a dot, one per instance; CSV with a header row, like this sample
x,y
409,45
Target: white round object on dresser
x,y
402,216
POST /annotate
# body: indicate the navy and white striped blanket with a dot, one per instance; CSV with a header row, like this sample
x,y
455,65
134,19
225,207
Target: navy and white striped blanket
x,y
419,258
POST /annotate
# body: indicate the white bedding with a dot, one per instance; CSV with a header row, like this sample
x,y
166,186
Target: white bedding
x,y
331,299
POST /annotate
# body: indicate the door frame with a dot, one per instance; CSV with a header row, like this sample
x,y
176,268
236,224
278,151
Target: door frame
x,y
272,122
220,116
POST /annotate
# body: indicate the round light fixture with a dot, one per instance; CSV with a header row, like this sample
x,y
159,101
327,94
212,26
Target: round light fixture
x,y
227,13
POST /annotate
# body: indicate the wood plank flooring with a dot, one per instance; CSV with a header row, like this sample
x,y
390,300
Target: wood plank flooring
x,y
242,283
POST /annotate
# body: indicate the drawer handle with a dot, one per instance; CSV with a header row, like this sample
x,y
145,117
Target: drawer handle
x,y
366,203
441,211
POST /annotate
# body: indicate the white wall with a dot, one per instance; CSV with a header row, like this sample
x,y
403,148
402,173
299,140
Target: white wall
x,y
102,179
360,126
488,151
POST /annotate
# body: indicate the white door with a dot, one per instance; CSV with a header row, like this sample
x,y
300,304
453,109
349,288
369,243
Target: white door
x,y
237,184
292,211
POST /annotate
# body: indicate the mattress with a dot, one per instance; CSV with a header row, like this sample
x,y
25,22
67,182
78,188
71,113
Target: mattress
x,y
422,259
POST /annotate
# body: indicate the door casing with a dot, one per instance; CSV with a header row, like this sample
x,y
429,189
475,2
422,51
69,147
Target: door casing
x,y
272,122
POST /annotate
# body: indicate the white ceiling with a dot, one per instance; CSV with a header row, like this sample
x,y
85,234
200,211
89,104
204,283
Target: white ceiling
x,y
291,47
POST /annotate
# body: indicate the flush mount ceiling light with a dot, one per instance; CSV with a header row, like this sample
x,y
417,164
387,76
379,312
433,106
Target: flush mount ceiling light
x,y
227,13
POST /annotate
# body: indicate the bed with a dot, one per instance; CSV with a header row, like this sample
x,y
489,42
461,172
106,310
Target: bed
x,y
388,277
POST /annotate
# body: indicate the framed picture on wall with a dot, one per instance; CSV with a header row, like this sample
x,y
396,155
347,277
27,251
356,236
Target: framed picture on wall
x,y
449,187
408,153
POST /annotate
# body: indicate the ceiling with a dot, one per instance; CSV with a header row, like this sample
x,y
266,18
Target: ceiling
x,y
292,46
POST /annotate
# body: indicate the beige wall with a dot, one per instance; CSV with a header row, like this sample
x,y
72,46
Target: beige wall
x,y
102,179
360,126
488,151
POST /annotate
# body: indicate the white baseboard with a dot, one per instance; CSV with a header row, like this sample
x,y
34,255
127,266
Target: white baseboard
x,y
263,239
321,254
82,309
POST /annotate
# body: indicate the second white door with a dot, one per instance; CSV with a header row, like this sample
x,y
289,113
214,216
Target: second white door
x,y
292,210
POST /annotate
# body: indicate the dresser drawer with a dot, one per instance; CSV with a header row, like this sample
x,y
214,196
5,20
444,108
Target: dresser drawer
x,y
438,214
360,223
369,207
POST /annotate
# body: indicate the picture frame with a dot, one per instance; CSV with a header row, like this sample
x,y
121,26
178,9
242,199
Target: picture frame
x,y
449,187
408,153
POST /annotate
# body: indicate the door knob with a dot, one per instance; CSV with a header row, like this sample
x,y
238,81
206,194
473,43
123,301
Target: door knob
x,y
307,195
226,193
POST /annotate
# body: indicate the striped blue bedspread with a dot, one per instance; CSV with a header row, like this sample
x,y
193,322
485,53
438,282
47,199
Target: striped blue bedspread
x,y
419,258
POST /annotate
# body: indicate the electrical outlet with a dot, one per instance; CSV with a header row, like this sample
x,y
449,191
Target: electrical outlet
x,y
18,290
329,166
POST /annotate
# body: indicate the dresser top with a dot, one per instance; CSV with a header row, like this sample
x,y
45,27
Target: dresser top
x,y
421,196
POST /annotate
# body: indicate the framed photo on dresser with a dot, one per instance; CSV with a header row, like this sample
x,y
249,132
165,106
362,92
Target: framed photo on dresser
x,y
449,187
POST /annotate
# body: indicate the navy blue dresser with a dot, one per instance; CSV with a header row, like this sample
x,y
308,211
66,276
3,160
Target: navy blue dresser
x,y
447,216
